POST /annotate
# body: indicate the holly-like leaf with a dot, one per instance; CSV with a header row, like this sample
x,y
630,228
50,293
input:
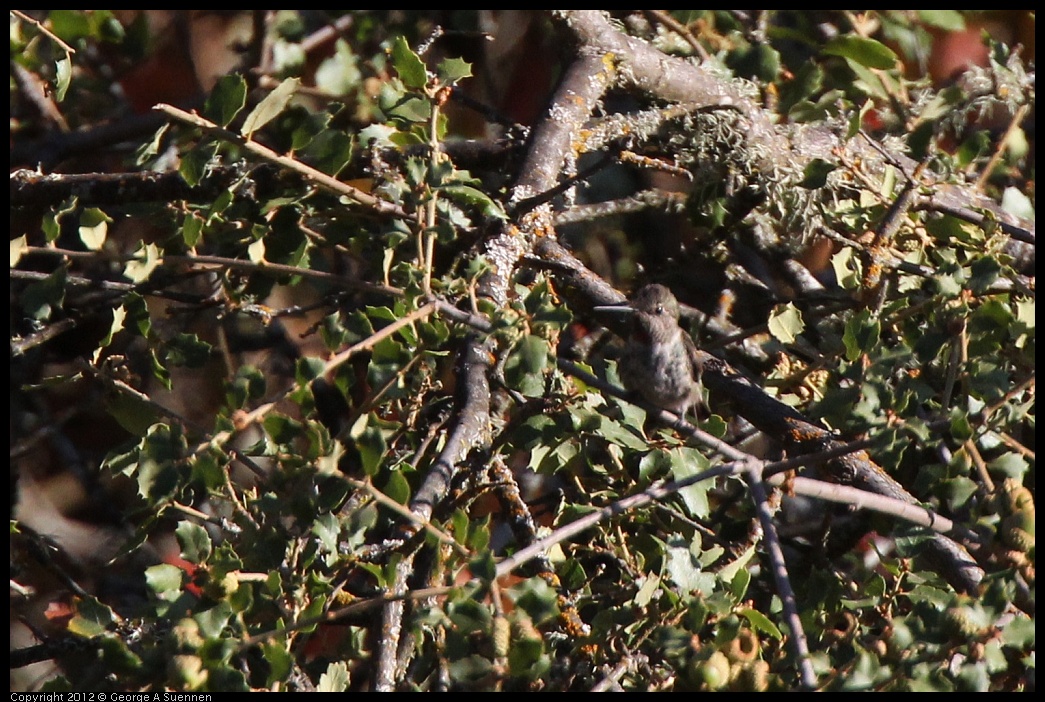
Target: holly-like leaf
x,y
94,225
786,323
147,258
861,335
92,618
195,542
452,70
409,65
335,679
118,316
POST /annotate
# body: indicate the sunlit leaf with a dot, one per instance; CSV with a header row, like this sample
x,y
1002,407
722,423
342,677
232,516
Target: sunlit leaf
x,y
334,679
785,323
409,65
864,51
63,75
270,108
18,249
195,542
94,225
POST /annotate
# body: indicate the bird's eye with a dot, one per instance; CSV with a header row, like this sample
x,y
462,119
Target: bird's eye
x,y
660,309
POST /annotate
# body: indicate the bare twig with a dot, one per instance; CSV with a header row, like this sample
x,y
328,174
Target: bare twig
x,y
753,473
674,25
318,177
249,418
47,32
383,499
1014,124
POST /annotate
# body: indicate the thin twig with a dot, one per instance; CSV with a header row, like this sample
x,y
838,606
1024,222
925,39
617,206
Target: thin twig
x,y
383,499
318,177
265,267
674,25
340,613
50,35
1017,118
797,640
658,491
249,418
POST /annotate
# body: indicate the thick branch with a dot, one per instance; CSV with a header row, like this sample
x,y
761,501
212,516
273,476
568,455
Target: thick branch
x,y
780,146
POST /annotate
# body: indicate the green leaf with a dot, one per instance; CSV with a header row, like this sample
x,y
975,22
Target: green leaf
x,y
330,151
1009,465
648,590
947,20
51,225
147,258
961,428
63,74
281,663
118,316
18,248
195,542
866,52
808,81
739,565
194,163
335,679
212,621
738,584
537,598
256,251
409,65
861,335
187,350
164,578
92,618
42,297
468,671
94,225
533,352
755,62
685,462
339,74
476,198
848,268
1017,202
452,70
815,174
130,411
759,622
683,566
397,487
371,445
151,148
785,323
984,272
270,108
226,100
192,230
409,110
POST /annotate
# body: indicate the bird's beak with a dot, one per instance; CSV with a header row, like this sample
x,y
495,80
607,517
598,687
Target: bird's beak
x,y
622,310
618,318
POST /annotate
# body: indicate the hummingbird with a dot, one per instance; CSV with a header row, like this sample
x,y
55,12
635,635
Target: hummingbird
x,y
660,361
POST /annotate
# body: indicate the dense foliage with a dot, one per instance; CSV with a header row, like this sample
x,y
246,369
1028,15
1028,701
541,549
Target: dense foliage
x,y
304,357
